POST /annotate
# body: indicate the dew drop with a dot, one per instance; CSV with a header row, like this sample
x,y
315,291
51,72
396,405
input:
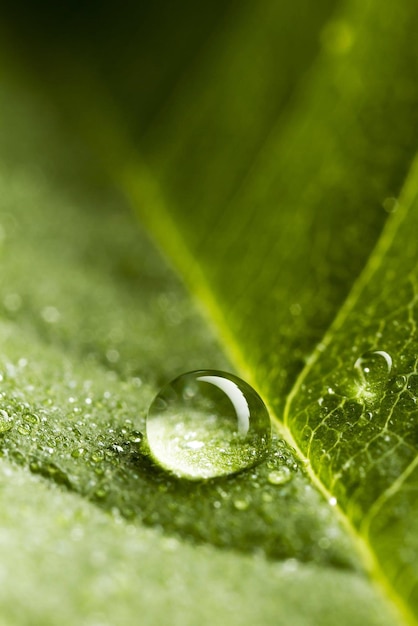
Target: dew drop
x,y
399,382
280,476
97,456
390,205
24,429
208,423
31,418
77,453
6,422
241,505
373,369
100,493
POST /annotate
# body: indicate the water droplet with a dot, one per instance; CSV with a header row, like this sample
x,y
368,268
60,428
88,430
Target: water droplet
x,y
373,369
31,418
24,429
100,493
112,355
399,382
97,456
324,543
77,453
332,501
6,422
390,204
50,314
280,476
241,505
206,424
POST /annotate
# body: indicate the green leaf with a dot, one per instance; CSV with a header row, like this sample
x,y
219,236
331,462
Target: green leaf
x,y
92,322
261,171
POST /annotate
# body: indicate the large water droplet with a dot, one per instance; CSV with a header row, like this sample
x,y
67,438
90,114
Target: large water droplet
x,y
208,423
373,369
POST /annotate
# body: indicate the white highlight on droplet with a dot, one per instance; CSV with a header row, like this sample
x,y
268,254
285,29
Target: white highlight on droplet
x,y
387,358
381,353
194,445
237,398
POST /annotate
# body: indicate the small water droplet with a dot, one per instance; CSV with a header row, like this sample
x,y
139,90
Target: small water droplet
x,y
6,422
77,453
100,493
390,204
97,456
295,309
373,369
400,382
206,424
136,437
280,476
332,501
50,314
241,505
24,429
324,543
112,355
31,418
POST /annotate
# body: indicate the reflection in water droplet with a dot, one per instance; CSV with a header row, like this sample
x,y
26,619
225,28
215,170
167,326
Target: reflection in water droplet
x,y
373,369
208,423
